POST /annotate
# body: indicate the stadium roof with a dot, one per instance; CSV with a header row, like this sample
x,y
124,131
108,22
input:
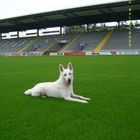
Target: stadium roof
x,y
75,16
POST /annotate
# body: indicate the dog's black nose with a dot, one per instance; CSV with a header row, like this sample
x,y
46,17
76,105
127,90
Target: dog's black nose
x,y
69,80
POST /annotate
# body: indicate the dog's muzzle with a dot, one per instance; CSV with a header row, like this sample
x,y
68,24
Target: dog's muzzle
x,y
69,82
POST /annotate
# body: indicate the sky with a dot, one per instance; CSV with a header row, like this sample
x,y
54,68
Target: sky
x,y
14,8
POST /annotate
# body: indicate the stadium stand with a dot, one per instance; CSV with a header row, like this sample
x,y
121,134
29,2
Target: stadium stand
x,y
136,39
94,42
60,41
12,45
87,40
118,40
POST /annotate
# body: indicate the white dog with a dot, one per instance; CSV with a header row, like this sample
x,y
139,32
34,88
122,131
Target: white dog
x,y
61,88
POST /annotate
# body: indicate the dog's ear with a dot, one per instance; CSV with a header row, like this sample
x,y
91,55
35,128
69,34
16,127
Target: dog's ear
x,y
61,68
70,66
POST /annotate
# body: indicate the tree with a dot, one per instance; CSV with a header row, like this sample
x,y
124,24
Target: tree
x,y
75,29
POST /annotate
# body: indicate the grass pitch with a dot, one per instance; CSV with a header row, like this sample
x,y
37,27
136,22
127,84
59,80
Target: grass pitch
x,y
112,82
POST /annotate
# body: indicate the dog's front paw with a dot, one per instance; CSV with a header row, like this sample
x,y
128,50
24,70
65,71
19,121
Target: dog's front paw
x,y
43,96
84,102
87,99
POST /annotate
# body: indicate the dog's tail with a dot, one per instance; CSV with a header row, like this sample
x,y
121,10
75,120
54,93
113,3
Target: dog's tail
x,y
28,92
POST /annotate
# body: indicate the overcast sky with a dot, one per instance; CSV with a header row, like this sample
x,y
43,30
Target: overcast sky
x,y
14,8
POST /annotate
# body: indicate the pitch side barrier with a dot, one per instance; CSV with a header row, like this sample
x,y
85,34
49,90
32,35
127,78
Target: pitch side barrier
x,y
67,53
74,53
90,53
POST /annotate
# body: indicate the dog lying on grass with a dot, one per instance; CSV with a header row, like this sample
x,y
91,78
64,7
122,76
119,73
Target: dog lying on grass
x,y
61,88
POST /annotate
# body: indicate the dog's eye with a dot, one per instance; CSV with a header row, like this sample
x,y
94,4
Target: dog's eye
x,y
69,73
65,74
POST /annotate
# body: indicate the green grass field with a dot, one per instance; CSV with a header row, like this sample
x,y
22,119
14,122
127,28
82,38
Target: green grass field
x,y
112,82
